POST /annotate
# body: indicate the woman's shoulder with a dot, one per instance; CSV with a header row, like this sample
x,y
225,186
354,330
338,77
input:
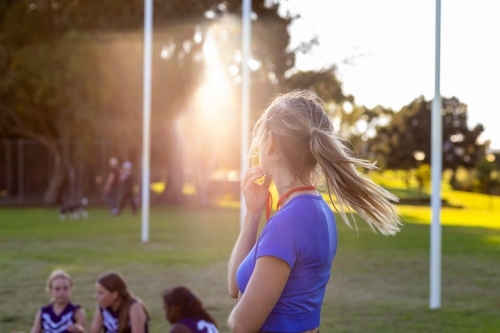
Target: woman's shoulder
x,y
180,328
297,210
134,304
46,308
74,306
136,307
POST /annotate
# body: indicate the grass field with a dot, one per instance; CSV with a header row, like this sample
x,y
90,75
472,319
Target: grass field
x,y
378,284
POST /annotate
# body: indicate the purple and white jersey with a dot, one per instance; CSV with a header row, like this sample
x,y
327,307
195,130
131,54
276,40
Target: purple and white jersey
x,y
110,320
197,325
53,323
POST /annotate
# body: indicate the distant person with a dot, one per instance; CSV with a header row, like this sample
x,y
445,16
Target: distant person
x,y
186,312
60,315
280,276
118,310
127,188
111,185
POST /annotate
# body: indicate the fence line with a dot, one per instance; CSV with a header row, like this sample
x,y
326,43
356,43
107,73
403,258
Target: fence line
x,y
26,167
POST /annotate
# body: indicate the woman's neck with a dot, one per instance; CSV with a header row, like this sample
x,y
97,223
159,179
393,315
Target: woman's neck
x,y
116,304
58,307
285,182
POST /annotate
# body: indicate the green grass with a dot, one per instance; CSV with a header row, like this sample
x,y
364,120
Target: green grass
x,y
378,284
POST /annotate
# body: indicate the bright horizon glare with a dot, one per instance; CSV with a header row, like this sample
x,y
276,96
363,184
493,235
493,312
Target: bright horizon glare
x,y
389,48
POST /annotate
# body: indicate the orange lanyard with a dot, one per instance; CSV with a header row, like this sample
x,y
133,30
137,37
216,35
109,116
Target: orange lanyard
x,y
269,199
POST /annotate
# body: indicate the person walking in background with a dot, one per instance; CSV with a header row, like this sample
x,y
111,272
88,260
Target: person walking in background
x,y
280,276
60,316
186,313
111,185
127,188
118,310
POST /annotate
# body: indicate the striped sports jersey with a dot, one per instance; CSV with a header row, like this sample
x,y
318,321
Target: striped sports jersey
x,y
110,320
57,323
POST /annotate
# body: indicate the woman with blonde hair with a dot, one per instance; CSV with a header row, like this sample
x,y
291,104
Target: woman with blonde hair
x,y
280,276
60,316
118,310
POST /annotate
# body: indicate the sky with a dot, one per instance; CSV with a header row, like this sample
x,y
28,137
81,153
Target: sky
x,y
384,50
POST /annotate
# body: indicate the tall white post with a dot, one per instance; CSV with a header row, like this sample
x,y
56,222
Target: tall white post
x,y
146,122
245,96
20,170
436,161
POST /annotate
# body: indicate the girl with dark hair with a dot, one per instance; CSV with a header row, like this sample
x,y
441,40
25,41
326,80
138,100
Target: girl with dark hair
x,y
280,276
186,312
118,310
60,316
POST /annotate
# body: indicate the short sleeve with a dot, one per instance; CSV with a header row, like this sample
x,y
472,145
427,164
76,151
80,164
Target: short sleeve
x,y
278,239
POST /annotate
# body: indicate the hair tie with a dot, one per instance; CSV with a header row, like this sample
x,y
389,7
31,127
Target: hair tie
x,y
312,131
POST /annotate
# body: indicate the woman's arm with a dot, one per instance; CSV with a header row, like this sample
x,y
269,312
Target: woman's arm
x,y
79,326
137,318
255,199
37,326
246,241
263,291
96,325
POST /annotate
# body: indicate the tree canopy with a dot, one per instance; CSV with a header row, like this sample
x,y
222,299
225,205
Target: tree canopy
x,y
73,69
409,132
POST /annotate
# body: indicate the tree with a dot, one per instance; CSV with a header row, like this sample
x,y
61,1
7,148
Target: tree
x,y
486,175
45,98
409,131
357,123
101,85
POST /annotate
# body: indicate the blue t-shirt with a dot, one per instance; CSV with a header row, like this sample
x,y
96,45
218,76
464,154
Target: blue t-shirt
x,y
303,233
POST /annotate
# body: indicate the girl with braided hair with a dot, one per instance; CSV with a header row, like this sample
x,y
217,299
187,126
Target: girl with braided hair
x,y
280,276
118,310
186,312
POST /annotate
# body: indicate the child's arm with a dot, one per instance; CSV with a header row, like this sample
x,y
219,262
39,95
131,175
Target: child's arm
x,y
96,325
37,326
79,326
137,318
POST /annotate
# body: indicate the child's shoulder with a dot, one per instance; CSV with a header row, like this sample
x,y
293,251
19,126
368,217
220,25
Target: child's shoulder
x,y
47,308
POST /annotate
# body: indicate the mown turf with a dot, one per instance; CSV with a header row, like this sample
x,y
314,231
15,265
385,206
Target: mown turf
x,y
378,284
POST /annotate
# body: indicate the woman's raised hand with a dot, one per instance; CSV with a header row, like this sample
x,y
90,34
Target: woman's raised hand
x,y
255,194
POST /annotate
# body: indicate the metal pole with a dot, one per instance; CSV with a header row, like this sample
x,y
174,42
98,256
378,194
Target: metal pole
x,y
146,125
8,168
437,144
245,96
20,171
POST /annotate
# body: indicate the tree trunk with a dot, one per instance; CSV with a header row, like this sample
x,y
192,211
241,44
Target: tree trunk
x,y
70,168
53,194
175,181
175,172
453,179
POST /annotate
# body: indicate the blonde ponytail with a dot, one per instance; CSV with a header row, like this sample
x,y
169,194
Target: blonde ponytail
x,y
305,137
352,189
